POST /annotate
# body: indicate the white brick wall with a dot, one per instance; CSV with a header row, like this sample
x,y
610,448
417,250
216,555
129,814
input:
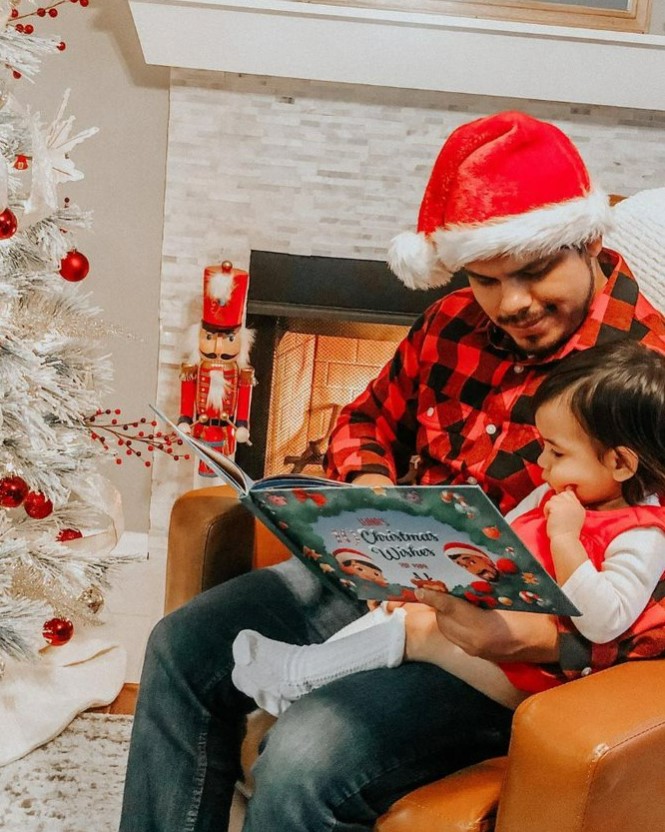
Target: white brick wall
x,y
336,170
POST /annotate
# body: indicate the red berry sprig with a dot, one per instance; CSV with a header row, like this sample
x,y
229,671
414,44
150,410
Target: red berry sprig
x,y
49,10
129,435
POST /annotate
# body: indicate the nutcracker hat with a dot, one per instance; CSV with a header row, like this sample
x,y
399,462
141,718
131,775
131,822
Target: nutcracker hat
x,y
345,555
507,184
224,296
455,549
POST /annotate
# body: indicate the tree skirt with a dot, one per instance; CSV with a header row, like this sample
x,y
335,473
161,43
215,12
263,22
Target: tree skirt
x,y
73,783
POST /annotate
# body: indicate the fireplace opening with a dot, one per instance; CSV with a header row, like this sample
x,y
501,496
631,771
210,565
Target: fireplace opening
x,y
324,328
316,373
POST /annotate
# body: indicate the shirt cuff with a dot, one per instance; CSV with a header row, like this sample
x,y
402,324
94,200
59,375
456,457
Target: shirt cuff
x,y
574,651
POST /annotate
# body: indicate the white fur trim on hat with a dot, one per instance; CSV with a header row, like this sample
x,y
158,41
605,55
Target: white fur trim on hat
x,y
454,548
344,555
539,232
639,237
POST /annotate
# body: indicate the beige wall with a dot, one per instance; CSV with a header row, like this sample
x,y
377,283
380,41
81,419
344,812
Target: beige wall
x,y
113,89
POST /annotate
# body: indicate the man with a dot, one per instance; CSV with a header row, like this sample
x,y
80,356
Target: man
x,y
509,200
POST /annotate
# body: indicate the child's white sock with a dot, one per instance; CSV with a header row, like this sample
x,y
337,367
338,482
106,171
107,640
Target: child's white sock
x,y
275,674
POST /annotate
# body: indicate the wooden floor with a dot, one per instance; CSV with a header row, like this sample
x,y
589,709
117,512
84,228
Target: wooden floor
x,y
125,702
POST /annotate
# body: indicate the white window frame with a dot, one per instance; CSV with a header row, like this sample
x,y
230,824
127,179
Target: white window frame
x,y
634,19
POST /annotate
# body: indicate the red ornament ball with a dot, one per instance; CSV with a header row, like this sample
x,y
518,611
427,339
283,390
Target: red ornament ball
x,y
484,587
507,566
8,224
13,490
58,631
69,534
74,266
37,505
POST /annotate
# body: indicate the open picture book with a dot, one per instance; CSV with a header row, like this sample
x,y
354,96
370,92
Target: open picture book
x,y
382,543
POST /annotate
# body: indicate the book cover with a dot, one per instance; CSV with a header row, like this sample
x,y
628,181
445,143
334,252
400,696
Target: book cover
x,y
383,543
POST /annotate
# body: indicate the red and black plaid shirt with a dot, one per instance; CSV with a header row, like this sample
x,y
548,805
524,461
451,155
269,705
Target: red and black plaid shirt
x,y
457,394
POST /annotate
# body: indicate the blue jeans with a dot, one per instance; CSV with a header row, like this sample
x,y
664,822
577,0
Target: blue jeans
x,y
336,760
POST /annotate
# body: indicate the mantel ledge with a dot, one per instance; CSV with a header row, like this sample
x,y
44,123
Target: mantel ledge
x,y
350,44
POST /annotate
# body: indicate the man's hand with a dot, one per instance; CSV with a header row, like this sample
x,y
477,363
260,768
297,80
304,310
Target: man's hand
x,y
494,635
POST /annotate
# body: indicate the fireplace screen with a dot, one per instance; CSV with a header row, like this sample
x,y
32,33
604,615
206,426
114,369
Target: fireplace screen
x,y
313,377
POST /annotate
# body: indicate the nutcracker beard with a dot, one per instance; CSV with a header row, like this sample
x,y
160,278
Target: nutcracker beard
x,y
220,397
217,389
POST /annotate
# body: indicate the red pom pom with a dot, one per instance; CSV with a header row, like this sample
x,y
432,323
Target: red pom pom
x,y
8,224
74,266
507,566
37,505
58,631
13,490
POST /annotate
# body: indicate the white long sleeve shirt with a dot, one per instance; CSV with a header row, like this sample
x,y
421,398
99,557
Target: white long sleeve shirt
x,y
612,598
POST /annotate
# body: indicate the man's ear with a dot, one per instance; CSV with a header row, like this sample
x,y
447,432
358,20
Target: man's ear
x,y
623,462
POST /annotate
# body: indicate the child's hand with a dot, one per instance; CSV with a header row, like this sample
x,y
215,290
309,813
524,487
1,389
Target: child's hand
x,y
564,515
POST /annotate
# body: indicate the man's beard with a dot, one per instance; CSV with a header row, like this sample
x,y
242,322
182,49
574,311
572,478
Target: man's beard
x,y
550,349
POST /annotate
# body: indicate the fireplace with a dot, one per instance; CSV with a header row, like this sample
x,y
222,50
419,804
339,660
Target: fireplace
x,y
324,328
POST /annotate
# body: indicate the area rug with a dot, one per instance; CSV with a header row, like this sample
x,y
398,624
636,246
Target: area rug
x,y
73,783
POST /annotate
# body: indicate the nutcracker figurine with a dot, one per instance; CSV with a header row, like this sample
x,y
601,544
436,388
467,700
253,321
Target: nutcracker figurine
x,y
216,392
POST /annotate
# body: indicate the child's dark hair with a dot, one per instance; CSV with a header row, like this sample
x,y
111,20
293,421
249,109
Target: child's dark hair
x,y
617,393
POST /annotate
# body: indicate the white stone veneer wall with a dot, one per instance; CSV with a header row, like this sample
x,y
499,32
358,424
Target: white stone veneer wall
x,y
335,170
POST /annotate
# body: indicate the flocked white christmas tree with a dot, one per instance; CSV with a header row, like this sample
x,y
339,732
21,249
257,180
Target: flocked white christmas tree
x,y
56,530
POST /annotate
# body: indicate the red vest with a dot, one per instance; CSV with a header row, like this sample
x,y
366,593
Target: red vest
x,y
645,638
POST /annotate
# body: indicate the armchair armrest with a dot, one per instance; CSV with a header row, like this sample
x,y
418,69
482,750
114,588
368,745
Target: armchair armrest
x,y
585,756
589,755
211,540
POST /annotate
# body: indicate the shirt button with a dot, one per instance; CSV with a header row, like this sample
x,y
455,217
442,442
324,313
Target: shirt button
x,y
491,429
586,671
518,368
430,411
472,481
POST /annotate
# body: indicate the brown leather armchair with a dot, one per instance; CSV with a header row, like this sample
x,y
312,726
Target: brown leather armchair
x,y
584,757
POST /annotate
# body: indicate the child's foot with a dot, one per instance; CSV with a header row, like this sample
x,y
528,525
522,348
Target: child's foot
x,y
260,665
275,674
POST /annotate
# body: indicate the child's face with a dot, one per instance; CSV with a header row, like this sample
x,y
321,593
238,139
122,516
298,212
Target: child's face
x,y
570,461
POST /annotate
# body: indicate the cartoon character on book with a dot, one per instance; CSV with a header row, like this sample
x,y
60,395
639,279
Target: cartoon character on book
x,y
216,390
354,562
472,559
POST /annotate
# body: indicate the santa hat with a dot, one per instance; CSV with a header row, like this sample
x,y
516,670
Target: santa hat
x,y
455,549
506,184
639,236
345,555
224,296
